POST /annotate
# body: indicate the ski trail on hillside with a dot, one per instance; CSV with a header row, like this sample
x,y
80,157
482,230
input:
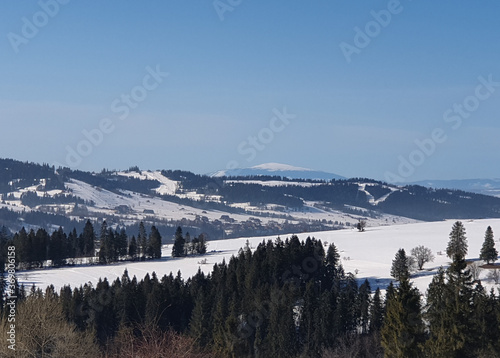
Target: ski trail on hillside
x,y
371,198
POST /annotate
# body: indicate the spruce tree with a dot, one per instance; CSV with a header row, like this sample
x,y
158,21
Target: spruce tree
x,y
363,303
142,241
104,246
122,243
188,246
457,245
132,248
488,251
403,331
400,269
376,312
199,325
202,244
450,312
88,236
155,243
178,247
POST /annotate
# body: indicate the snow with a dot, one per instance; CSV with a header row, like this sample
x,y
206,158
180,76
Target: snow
x,y
167,187
274,183
371,199
279,167
368,253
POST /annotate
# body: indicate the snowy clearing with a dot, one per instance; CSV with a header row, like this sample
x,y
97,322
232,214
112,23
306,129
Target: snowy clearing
x,y
368,253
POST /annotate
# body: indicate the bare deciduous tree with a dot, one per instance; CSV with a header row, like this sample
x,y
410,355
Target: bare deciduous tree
x,y
475,270
422,255
42,331
495,275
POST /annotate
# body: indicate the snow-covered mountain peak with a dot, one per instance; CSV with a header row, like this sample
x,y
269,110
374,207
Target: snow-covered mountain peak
x,y
279,167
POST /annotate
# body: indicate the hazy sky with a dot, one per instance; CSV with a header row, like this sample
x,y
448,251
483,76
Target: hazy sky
x,y
392,90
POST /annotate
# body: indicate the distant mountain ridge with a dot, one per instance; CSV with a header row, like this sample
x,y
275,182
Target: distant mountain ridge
x,y
481,186
34,195
277,169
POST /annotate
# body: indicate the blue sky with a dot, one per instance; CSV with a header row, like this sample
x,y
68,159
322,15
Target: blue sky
x,y
410,73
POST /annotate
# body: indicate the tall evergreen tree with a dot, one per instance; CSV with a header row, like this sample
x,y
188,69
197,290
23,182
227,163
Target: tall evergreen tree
x,y
57,247
199,325
155,243
178,247
188,245
142,241
104,243
122,243
403,331
132,248
376,312
89,238
457,245
202,245
449,312
488,252
400,270
363,303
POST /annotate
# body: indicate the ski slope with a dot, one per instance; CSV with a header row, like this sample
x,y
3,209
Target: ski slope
x,y
368,254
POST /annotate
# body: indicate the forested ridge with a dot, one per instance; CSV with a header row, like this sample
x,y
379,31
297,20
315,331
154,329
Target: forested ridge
x,y
225,193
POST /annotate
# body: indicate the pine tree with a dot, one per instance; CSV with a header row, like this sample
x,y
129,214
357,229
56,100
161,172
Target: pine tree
x,y
363,303
122,243
178,247
403,331
104,246
89,238
199,325
155,243
399,269
202,244
188,246
488,251
57,247
142,241
376,312
450,312
458,241
307,323
132,248
112,245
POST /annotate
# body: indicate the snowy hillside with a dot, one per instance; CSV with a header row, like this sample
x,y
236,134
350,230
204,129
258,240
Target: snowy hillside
x,y
35,195
367,254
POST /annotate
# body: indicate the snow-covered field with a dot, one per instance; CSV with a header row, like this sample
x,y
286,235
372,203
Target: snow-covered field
x,y
369,254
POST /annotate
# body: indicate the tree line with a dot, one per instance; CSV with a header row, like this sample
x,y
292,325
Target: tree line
x,y
286,298
36,249
459,317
